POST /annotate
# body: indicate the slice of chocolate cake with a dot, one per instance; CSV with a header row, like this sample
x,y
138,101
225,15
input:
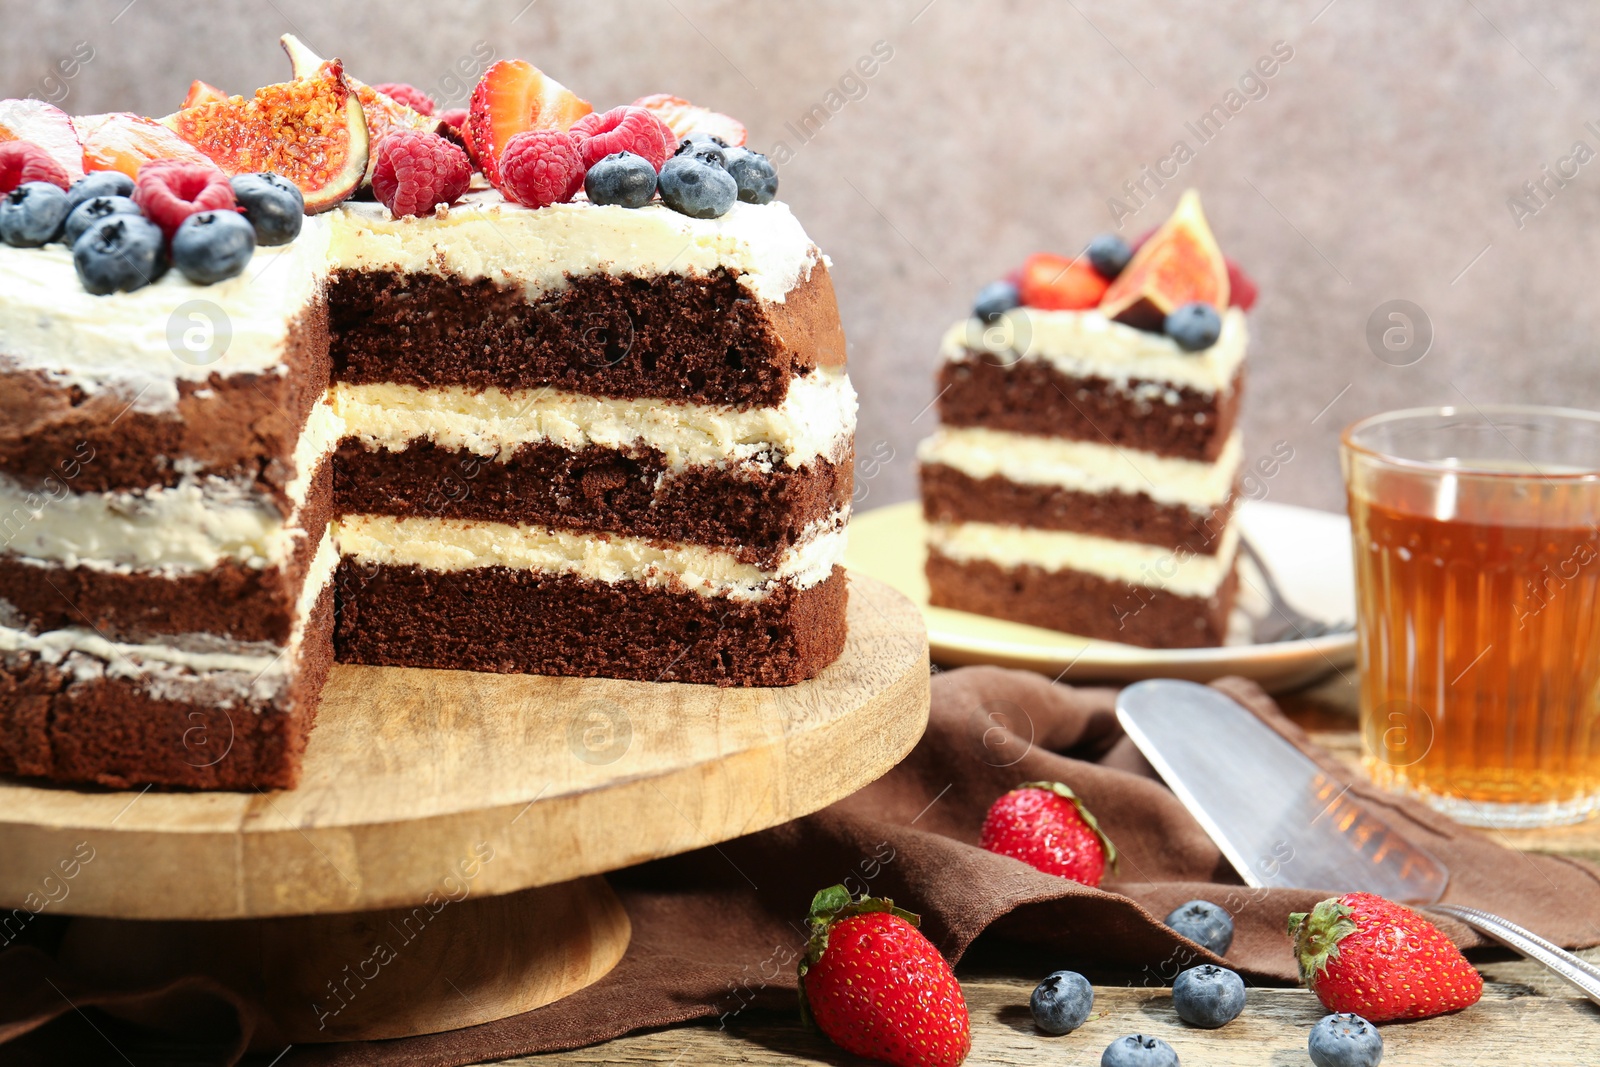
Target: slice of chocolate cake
x,y
1084,475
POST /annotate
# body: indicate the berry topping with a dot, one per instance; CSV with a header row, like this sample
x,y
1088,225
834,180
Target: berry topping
x,y
1108,254
124,142
1361,953
541,167
705,148
756,176
409,95
24,161
213,245
697,189
311,131
1046,826
1242,290
1061,1003
1345,1040
513,97
455,118
877,987
92,211
1204,923
1194,327
416,171
685,118
48,127
1208,996
622,129
1056,283
623,179
169,192
99,183
995,299
119,253
32,214
1138,1050
273,205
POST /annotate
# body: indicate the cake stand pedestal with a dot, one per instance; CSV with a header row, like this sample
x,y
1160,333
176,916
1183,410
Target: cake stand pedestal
x,y
438,865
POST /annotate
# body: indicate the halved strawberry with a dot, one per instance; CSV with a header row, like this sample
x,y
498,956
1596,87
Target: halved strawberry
x,y
512,97
203,93
1056,283
125,142
684,118
1242,289
46,126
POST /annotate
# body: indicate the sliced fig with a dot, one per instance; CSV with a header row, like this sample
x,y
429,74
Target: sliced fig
x,y
125,142
383,112
312,131
1180,263
46,126
203,93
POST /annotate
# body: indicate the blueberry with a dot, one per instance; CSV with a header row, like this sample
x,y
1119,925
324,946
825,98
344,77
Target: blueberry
x,y
1138,1050
1195,326
995,299
1108,254
1208,996
99,183
695,188
120,252
213,245
757,177
32,214
1345,1040
273,205
704,147
92,211
1205,924
1061,1002
622,178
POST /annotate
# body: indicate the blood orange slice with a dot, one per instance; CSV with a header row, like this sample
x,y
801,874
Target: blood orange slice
x,y
126,142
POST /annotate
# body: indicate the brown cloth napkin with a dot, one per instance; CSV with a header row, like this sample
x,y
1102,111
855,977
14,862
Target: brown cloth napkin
x,y
719,930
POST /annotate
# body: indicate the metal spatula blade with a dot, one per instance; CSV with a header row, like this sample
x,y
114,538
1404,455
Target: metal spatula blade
x,y
1278,818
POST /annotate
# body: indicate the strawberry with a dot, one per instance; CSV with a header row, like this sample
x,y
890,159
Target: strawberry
x,y
512,97
1241,287
1363,954
1046,826
877,987
684,118
1056,283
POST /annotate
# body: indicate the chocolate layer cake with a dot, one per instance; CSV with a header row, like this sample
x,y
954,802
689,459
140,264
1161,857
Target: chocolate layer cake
x,y
1084,475
575,439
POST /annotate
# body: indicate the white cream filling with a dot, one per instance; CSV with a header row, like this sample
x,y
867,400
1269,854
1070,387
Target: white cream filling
x,y
196,525
140,345
458,544
484,236
1082,344
1086,466
1177,571
815,418
196,668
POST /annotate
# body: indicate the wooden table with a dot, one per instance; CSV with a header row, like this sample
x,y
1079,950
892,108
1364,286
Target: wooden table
x,y
1526,1016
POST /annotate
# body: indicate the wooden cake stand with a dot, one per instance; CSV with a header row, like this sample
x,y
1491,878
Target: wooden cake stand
x,y
439,865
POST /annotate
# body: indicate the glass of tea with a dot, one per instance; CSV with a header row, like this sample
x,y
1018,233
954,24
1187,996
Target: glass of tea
x,y
1477,554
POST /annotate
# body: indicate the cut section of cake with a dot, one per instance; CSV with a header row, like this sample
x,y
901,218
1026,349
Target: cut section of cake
x,y
1084,476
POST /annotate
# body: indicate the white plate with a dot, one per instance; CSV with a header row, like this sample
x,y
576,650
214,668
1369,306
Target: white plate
x,y
1308,552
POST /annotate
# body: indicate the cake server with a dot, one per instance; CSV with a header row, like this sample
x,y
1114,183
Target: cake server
x,y
1285,823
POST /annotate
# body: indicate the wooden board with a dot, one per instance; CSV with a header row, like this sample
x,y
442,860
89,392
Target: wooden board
x,y
1520,1020
409,773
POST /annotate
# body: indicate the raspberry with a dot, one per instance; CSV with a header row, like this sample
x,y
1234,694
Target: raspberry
x,y
456,117
409,95
417,170
624,129
169,191
24,161
541,167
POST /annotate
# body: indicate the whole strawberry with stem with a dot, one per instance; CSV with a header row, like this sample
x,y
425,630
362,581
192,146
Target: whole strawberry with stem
x,y
1045,825
877,987
1363,954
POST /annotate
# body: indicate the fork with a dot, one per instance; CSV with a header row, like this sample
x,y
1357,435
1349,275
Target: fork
x,y
1283,621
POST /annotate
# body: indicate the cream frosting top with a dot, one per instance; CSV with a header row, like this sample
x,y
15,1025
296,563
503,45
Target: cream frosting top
x,y
1085,343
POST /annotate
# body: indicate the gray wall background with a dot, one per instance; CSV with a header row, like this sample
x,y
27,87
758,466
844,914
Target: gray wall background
x,y
1375,165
